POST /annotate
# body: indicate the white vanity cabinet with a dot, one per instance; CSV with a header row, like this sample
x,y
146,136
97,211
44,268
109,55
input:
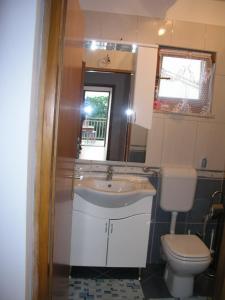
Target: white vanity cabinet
x,y
110,237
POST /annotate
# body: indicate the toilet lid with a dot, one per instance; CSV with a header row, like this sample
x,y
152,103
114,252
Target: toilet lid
x,y
185,246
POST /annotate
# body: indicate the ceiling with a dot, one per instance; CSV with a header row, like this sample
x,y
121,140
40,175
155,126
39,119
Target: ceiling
x,y
201,11
130,7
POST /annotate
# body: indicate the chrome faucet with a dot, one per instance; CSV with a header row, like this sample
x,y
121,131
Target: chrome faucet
x,y
109,173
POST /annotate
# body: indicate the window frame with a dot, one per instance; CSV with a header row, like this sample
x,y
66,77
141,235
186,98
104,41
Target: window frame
x,y
195,104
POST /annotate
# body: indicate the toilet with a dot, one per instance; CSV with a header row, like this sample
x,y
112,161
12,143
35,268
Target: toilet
x,y
185,255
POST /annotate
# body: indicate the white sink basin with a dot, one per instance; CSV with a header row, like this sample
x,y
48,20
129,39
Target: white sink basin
x,y
120,191
115,185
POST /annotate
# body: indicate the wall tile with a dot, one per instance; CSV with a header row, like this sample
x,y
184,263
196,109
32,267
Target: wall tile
x,y
148,28
179,142
206,187
187,34
154,205
162,215
150,242
223,190
198,229
214,38
211,145
199,210
211,227
218,105
93,25
180,228
182,217
192,220
220,62
119,27
194,228
155,142
154,181
160,229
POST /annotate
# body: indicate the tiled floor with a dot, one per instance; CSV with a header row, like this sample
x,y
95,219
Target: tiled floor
x,y
105,289
190,298
152,282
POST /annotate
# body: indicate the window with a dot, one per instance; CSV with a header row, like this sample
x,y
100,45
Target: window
x,y
184,81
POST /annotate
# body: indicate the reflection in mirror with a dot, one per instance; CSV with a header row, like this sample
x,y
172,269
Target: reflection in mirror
x,y
107,132
137,144
95,127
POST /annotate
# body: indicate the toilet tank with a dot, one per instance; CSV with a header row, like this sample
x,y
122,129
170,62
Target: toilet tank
x,y
177,188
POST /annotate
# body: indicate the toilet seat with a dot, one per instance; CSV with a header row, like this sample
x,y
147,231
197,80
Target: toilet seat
x,y
187,248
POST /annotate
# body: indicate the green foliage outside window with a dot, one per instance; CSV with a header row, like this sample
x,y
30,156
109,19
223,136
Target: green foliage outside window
x,y
99,106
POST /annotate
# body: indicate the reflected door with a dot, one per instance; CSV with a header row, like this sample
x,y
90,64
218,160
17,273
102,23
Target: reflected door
x,y
96,119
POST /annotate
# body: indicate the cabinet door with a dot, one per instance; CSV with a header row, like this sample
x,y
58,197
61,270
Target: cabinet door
x,y
128,241
89,240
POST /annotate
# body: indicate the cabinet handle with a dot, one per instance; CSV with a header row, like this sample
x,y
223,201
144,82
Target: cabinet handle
x,y
111,228
106,227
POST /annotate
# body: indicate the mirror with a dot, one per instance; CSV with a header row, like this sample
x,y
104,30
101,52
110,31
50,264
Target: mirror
x,y
107,131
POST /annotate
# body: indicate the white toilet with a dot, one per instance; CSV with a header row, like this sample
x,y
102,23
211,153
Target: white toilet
x,y
186,255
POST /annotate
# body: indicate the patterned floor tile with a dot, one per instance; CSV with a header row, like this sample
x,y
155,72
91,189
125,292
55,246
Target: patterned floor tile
x,y
105,289
190,298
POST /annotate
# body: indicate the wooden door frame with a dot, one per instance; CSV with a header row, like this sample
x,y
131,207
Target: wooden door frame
x,y
54,24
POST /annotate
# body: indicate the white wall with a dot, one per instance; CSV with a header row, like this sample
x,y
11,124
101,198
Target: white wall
x,y
175,139
201,11
17,34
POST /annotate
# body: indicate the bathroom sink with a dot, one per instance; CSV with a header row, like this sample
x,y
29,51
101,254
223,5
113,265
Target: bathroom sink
x,y
115,185
120,191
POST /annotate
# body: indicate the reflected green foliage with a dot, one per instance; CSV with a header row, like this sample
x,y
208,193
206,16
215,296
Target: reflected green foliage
x,y
99,106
